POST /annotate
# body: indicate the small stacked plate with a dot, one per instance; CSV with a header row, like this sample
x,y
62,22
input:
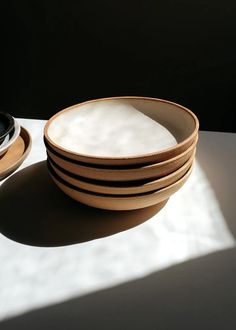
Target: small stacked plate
x,y
121,153
15,144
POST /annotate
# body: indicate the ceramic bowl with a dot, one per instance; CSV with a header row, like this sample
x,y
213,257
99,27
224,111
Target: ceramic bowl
x,y
119,188
126,173
12,138
15,154
115,202
178,120
6,125
4,140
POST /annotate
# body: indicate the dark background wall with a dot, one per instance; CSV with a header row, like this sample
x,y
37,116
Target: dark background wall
x,y
57,53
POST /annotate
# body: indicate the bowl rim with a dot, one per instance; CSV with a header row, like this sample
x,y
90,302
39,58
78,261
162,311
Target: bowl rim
x,y
135,185
136,156
11,123
125,168
121,197
5,140
13,138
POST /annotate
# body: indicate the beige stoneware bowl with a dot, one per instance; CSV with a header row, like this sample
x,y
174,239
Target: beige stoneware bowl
x,y
114,202
180,122
118,173
119,188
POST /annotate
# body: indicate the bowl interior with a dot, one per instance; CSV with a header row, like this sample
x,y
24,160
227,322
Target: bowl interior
x,y
4,140
179,121
6,125
12,138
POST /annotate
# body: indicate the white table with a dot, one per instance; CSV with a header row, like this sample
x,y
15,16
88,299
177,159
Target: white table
x,y
197,221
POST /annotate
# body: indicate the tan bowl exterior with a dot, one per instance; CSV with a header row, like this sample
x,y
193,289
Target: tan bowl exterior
x,y
119,203
174,117
129,188
16,154
128,174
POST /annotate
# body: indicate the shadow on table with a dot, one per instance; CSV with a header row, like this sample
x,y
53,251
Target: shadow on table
x,y
197,294
216,154
35,212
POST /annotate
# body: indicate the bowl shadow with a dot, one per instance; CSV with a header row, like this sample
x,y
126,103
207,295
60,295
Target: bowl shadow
x,y
35,212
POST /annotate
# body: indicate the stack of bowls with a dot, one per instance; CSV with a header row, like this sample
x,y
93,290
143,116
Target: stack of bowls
x,y
9,132
125,182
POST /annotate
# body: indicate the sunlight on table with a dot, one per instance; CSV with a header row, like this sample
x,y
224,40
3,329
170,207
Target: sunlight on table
x,y
190,225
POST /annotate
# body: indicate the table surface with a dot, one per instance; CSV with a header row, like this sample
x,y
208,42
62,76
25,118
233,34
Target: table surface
x,y
59,257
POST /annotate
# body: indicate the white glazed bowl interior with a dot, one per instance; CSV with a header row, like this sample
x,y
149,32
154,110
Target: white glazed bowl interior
x,y
180,122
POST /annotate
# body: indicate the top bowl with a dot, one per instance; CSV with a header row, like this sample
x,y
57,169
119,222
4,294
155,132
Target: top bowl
x,y
179,121
6,125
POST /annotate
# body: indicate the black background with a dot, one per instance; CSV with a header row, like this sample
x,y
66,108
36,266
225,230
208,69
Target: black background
x,y
58,53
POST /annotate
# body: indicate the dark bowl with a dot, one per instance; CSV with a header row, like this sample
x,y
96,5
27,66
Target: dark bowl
x,y
6,125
